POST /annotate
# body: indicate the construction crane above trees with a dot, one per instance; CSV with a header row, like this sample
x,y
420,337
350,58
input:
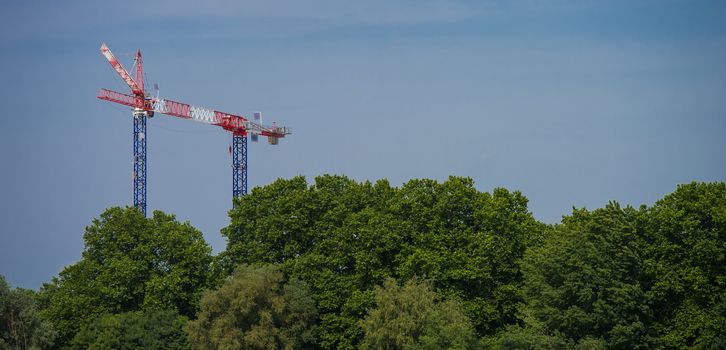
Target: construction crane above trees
x,y
145,105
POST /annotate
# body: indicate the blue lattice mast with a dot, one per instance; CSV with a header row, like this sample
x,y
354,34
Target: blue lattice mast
x,y
140,160
145,105
239,166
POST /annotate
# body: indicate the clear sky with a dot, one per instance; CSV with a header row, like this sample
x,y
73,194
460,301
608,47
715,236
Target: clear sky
x,y
574,103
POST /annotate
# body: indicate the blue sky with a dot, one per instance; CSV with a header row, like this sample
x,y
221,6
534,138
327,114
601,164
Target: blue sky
x,y
575,103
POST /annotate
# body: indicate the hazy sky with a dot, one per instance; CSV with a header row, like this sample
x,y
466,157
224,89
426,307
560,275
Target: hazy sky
x,y
574,103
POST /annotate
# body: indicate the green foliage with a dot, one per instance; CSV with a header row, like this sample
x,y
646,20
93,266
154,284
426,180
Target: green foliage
x,y
410,317
343,238
622,278
20,325
255,309
152,330
518,338
584,282
610,278
469,244
686,255
129,263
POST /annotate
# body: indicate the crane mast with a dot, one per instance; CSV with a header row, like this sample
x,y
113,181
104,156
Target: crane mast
x,y
145,106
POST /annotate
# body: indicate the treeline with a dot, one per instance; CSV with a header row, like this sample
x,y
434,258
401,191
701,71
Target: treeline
x,y
339,264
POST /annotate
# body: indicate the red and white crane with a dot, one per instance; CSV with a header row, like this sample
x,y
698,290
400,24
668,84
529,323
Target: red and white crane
x,y
145,105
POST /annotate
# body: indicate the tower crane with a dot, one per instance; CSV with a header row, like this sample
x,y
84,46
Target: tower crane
x,y
145,105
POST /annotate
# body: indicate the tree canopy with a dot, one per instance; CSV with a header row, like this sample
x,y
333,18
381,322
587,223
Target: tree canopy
x,y
686,260
341,264
412,317
344,237
585,281
626,278
255,309
21,327
130,263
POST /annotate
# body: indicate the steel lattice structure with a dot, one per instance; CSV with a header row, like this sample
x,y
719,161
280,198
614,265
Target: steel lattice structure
x,y
140,160
239,166
145,105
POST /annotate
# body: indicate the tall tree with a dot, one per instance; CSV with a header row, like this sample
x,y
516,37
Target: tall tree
x,y
585,283
469,244
130,263
255,309
20,325
343,238
412,317
686,255
626,278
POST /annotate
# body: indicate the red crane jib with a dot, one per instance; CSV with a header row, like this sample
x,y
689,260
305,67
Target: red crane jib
x,y
124,99
230,122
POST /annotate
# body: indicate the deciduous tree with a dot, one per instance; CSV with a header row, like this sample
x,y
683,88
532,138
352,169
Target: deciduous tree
x,y
255,309
686,255
412,316
344,237
20,325
130,263
586,281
